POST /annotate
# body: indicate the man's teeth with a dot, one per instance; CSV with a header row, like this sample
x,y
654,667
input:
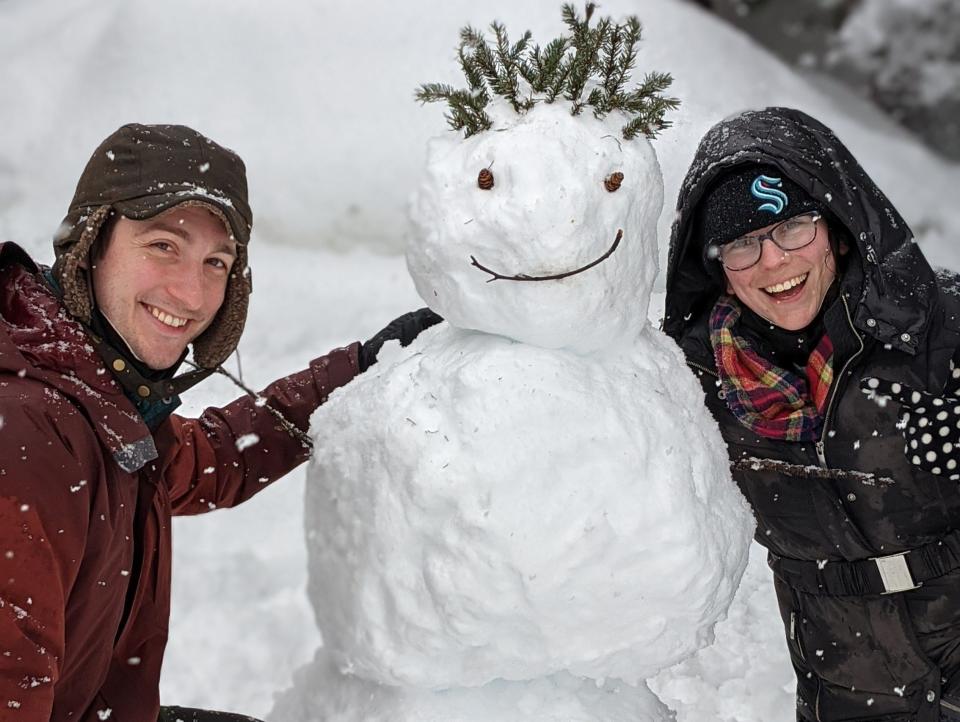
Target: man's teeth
x,y
167,318
786,285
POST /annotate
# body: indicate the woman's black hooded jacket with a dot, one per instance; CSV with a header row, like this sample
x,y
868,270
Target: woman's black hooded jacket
x,y
859,654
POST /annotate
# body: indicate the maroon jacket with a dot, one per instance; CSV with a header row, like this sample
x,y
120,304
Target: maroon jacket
x,y
86,499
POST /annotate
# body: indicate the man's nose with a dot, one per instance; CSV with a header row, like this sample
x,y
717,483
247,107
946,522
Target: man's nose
x,y
186,285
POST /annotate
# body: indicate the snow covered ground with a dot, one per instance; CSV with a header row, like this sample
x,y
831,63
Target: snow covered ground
x,y
318,99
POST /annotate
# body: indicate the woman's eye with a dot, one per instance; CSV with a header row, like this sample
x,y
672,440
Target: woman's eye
x,y
217,263
162,246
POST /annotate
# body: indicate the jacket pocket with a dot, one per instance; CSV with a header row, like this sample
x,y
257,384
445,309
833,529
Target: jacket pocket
x,y
864,643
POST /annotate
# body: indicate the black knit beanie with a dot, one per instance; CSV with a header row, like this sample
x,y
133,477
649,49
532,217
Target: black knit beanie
x,y
743,200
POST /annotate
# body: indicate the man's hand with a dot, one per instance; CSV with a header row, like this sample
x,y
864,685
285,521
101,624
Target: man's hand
x,y
930,423
403,329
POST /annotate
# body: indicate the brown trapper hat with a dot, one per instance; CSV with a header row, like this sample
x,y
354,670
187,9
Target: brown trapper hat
x,y
138,172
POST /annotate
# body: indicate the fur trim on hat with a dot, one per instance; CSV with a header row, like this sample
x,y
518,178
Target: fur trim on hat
x,y
71,267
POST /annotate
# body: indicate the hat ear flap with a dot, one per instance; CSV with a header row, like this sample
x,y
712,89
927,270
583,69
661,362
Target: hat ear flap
x,y
71,267
214,346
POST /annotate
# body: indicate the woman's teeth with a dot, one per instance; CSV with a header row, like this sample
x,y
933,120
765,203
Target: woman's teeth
x,y
166,318
786,285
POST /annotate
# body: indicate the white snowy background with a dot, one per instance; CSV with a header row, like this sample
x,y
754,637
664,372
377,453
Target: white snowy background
x,y
317,98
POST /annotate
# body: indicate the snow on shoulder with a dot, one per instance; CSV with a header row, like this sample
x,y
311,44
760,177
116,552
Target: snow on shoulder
x,y
534,489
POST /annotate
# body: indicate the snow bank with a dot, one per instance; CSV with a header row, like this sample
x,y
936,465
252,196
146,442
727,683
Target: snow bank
x,y
318,99
320,693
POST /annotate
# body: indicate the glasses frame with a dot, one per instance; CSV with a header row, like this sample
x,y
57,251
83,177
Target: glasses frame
x,y
713,251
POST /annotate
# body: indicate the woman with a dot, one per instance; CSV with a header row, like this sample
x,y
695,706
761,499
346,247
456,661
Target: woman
x,y
791,278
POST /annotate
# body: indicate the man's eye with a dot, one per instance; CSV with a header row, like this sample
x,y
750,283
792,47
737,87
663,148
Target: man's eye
x,y
218,263
741,243
161,246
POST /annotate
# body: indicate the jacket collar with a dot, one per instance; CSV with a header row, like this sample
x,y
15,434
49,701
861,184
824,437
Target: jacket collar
x,y
40,341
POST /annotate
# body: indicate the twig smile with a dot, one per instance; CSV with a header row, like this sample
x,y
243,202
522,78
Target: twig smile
x,y
494,276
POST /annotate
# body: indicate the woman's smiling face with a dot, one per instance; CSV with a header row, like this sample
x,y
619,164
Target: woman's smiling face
x,y
787,288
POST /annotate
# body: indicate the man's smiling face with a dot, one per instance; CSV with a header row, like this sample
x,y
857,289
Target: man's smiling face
x,y
160,282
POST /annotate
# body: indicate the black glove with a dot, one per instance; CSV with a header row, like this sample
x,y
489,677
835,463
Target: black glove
x,y
930,423
403,329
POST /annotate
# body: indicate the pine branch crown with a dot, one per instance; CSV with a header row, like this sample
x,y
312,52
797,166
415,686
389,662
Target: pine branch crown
x,y
600,58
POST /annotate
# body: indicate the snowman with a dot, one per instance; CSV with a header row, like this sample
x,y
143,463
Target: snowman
x,y
526,513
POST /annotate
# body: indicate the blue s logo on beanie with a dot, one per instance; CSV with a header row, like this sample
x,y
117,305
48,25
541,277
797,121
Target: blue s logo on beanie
x,y
762,189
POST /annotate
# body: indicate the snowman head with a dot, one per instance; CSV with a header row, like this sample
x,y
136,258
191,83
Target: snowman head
x,y
540,225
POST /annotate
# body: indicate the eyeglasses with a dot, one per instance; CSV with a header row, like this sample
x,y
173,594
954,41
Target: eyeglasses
x,y
789,235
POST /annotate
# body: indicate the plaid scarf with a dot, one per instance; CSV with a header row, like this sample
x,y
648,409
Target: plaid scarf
x,y
773,402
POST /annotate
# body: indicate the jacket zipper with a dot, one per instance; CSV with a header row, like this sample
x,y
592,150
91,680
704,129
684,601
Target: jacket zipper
x,y
821,455
795,637
705,370
816,702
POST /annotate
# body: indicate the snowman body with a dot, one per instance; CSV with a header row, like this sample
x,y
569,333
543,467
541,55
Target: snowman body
x,y
533,492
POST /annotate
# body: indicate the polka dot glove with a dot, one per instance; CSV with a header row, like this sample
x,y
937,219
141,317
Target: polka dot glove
x,y
930,423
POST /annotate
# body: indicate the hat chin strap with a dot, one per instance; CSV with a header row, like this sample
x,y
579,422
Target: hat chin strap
x,y
124,370
126,344
139,387
130,378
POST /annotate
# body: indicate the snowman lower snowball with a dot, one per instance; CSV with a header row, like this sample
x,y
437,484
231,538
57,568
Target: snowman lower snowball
x,y
528,511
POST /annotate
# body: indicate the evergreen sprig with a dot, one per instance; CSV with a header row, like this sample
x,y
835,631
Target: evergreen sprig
x,y
465,108
595,62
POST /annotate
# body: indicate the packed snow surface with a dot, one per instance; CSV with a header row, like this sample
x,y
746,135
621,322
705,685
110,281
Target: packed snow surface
x,y
321,693
488,508
547,214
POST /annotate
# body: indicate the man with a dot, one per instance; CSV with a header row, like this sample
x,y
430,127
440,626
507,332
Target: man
x,y
150,260
791,277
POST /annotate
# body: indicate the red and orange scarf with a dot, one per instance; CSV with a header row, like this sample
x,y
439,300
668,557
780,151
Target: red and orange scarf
x,y
772,401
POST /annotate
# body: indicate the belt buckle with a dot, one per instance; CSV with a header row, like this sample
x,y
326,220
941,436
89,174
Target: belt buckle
x,y
895,574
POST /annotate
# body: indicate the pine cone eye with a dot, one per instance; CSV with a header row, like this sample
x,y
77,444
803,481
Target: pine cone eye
x,y
485,179
612,182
